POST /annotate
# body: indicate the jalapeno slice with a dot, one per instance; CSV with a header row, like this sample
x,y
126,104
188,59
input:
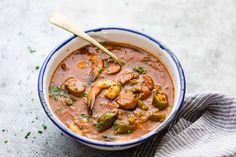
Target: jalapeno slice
x,y
160,100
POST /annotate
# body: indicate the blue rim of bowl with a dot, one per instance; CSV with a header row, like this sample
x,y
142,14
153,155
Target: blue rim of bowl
x,y
106,144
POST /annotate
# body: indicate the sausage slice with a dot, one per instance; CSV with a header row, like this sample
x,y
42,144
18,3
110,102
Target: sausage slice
x,y
75,86
126,77
112,67
127,100
148,81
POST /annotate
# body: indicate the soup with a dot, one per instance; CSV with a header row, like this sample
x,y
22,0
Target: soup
x,y
97,98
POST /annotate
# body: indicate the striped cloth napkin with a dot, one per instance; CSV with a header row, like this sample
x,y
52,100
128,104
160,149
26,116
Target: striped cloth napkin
x,y
206,126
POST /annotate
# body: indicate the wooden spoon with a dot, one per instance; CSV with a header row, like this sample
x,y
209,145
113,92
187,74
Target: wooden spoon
x,y
62,23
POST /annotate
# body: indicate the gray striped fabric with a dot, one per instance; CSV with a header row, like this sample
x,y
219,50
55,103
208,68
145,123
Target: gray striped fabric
x,y
206,126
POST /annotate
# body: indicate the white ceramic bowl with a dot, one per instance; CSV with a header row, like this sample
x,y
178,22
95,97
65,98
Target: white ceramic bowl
x,y
117,35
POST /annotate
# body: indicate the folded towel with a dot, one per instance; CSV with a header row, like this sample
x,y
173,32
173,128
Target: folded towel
x,y
205,126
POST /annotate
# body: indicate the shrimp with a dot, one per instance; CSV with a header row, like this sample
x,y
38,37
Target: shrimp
x,y
148,81
113,90
97,66
127,100
145,88
127,76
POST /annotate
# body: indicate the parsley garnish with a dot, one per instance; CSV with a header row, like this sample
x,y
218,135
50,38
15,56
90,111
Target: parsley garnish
x,y
37,67
31,50
107,65
140,70
54,91
44,127
83,115
129,131
27,135
5,141
59,109
85,95
66,93
40,132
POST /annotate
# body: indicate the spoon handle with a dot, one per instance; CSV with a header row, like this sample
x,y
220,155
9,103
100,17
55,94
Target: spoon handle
x,y
62,23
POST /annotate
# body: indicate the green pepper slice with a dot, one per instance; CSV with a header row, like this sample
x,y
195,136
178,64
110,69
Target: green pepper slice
x,y
142,105
123,128
157,116
106,120
160,100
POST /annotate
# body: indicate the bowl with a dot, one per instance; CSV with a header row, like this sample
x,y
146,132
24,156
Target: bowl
x,y
116,35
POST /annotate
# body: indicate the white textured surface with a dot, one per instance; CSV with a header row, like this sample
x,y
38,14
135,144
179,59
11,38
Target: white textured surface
x,y
201,33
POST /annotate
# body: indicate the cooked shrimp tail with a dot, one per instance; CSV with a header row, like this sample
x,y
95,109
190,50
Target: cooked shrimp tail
x,y
91,103
112,91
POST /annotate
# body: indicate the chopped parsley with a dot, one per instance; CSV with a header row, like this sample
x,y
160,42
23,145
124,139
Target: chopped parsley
x,y
85,95
55,92
40,132
44,127
59,109
37,67
129,131
31,50
83,115
54,89
27,135
140,70
6,141
66,93
107,65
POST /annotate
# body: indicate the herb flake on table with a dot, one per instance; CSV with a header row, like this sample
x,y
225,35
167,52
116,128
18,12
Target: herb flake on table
x,y
37,67
27,135
44,127
31,50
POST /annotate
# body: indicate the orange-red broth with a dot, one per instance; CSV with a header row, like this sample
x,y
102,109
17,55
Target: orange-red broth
x,y
78,66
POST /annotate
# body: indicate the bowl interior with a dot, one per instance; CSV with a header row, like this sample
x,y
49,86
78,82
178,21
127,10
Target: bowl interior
x,y
115,35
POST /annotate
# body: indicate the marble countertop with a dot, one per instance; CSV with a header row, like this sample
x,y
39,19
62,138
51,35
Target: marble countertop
x,y
201,33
